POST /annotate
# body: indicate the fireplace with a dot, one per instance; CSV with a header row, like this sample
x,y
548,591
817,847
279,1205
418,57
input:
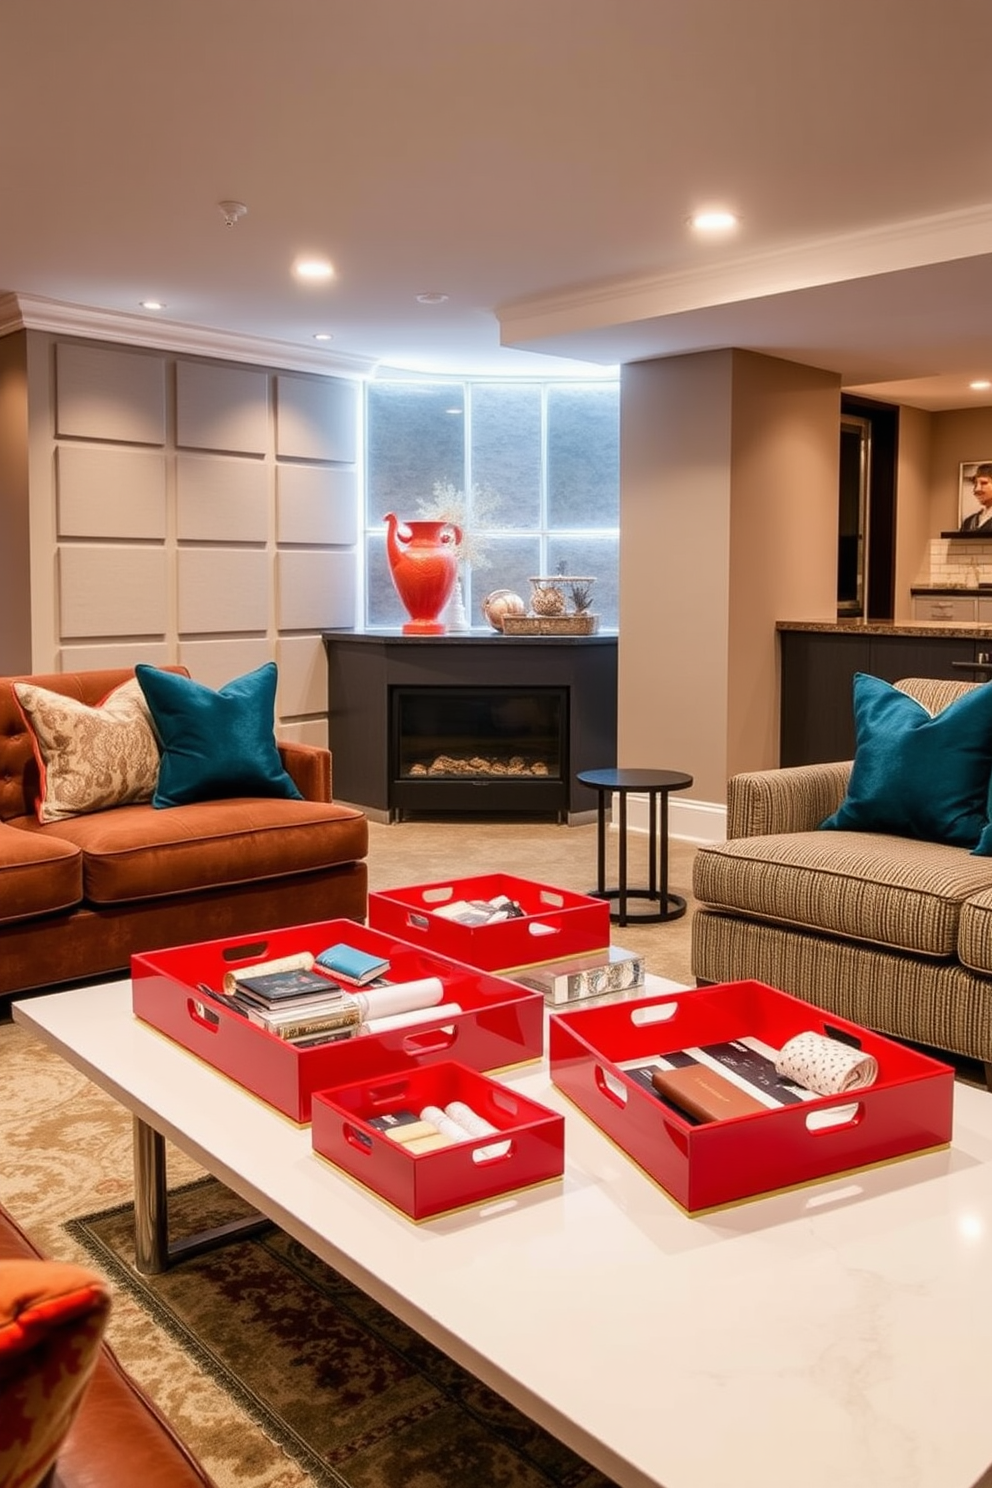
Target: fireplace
x,y
448,743
473,723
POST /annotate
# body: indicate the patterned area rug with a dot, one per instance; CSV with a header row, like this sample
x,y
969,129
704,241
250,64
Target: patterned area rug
x,y
356,1397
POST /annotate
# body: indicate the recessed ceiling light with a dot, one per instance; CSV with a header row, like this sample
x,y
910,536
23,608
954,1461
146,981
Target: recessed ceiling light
x,y
981,386
431,297
713,221
152,304
453,410
313,268
322,336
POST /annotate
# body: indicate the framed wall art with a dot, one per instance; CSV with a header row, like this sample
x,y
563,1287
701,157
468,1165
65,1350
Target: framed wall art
x,y
975,495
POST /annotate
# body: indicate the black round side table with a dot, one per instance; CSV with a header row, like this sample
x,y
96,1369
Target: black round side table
x,y
656,785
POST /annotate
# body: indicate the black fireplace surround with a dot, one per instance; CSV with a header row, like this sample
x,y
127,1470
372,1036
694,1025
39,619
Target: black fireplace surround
x,y
473,723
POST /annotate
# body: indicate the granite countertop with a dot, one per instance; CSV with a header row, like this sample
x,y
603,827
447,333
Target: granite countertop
x,y
889,627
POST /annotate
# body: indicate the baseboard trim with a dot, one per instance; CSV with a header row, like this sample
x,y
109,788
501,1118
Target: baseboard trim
x,y
701,822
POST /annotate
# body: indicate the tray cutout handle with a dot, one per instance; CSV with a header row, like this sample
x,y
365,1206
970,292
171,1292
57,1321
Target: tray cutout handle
x,y
438,894
417,921
831,1118
659,1012
614,1090
387,1094
506,1101
432,1041
361,1141
202,1015
538,927
494,1152
553,898
252,950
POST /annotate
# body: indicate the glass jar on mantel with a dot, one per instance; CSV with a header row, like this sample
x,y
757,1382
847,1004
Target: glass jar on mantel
x,y
559,605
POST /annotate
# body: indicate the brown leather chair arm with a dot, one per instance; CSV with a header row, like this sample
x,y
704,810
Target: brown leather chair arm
x,y
309,768
119,1439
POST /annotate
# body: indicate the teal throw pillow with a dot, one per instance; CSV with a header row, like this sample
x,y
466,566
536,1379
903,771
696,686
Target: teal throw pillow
x,y
215,744
918,774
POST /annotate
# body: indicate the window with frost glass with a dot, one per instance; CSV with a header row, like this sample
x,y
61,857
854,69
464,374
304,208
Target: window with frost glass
x,y
541,461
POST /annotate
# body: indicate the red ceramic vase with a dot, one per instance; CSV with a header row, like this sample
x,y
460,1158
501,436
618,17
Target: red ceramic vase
x,y
424,565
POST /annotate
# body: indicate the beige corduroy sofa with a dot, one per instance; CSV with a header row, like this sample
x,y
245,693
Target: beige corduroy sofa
x,y
893,933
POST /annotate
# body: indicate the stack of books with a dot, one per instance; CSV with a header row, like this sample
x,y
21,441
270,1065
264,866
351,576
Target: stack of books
x,y
299,1005
298,998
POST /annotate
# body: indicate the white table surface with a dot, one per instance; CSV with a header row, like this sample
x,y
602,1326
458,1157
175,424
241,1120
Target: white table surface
x,y
832,1337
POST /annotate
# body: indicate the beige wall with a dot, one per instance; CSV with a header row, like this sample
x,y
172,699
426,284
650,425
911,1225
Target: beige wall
x,y
959,436
15,583
729,479
783,522
675,443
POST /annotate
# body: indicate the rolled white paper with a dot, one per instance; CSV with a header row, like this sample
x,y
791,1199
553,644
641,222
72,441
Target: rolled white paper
x,y
401,997
825,1064
411,1019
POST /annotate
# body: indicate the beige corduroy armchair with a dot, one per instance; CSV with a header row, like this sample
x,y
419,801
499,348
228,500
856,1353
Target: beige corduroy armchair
x,y
890,932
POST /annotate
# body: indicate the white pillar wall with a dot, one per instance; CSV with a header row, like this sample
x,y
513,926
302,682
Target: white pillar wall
x,y
192,511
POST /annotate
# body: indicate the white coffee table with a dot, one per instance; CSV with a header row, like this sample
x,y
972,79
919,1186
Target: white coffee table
x,y
832,1337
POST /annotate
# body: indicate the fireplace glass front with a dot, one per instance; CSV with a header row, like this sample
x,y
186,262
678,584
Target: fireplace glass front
x,y
451,743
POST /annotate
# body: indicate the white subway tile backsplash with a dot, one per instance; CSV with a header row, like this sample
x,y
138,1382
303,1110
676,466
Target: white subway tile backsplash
x,y
965,562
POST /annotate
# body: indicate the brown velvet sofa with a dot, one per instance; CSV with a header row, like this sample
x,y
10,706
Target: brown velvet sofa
x,y
118,1436
79,896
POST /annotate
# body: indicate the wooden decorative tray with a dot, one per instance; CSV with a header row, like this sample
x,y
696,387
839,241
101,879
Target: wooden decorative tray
x,y
543,625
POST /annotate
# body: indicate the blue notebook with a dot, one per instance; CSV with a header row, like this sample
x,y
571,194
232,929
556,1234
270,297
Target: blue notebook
x,y
349,962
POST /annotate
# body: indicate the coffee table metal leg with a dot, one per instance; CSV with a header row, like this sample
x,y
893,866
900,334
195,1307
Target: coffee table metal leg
x,y
153,1251
653,847
151,1217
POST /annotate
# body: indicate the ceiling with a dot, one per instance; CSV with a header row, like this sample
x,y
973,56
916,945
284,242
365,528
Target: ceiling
x,y
533,160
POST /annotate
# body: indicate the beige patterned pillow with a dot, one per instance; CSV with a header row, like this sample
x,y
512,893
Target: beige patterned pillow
x,y
90,758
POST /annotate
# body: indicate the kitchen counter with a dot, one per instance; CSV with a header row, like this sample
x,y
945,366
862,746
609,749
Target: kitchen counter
x,y
820,659
970,628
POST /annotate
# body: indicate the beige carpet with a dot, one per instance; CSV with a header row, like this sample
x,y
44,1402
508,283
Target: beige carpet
x,y
417,852
65,1148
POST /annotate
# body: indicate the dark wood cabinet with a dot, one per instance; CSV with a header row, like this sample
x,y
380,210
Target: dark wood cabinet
x,y
817,679
494,704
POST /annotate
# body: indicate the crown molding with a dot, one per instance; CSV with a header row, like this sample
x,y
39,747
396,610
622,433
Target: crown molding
x,y
880,250
35,313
